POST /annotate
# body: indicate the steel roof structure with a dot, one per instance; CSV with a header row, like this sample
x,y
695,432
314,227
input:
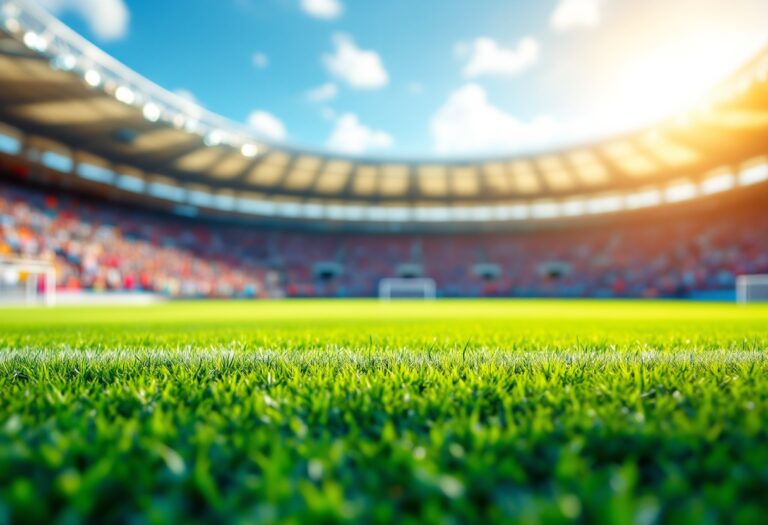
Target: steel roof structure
x,y
71,107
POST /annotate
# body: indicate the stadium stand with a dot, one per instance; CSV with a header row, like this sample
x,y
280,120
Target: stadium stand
x,y
102,246
68,106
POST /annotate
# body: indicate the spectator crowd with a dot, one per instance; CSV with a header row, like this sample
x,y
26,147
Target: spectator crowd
x,y
99,246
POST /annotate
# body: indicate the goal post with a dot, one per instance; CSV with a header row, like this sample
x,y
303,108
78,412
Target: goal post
x,y
402,288
752,289
27,281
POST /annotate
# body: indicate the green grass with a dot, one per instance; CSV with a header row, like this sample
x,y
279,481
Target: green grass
x,y
356,411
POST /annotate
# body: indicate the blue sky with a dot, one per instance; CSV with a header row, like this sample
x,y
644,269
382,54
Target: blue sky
x,y
420,78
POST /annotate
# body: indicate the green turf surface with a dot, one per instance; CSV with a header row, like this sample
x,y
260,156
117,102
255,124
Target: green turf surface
x,y
330,411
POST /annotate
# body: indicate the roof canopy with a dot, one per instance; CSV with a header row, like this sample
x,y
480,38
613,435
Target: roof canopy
x,y
64,94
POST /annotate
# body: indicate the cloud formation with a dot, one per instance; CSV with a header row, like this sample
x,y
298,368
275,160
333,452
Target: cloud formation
x,y
352,137
469,123
107,19
484,56
259,60
323,9
358,68
267,126
323,93
576,14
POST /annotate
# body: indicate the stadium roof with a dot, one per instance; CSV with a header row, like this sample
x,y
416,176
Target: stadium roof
x,y
80,111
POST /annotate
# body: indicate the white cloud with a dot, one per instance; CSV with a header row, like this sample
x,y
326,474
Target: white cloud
x,y
576,14
485,57
107,19
361,69
352,137
267,125
325,9
260,60
469,123
323,93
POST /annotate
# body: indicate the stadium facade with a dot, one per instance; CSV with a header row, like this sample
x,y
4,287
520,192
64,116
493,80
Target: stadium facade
x,y
75,119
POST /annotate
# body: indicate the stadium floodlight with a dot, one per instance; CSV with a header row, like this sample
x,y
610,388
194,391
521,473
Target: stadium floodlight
x,y
214,138
30,39
249,150
680,191
151,112
643,199
64,62
605,204
404,288
754,173
125,95
35,42
573,207
190,125
752,289
718,183
545,210
12,25
519,212
92,78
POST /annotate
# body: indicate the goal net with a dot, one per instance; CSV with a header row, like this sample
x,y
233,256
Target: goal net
x,y
27,281
399,288
752,289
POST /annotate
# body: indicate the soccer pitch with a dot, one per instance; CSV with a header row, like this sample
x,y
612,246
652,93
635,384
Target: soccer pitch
x,y
369,412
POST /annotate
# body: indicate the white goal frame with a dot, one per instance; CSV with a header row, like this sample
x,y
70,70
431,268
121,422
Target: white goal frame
x,y
35,269
427,286
743,288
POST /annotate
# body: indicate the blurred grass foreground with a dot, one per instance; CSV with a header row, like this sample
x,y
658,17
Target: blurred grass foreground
x,y
368,412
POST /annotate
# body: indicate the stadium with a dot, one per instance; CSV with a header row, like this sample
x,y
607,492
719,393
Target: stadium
x,y
199,325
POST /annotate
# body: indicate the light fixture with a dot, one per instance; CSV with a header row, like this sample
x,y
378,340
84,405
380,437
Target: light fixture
x,y
680,191
249,150
178,121
718,183
34,41
753,173
213,138
12,25
643,199
92,78
64,62
151,112
190,125
125,95
30,39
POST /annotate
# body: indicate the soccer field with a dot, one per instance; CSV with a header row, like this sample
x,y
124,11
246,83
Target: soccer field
x,y
369,412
